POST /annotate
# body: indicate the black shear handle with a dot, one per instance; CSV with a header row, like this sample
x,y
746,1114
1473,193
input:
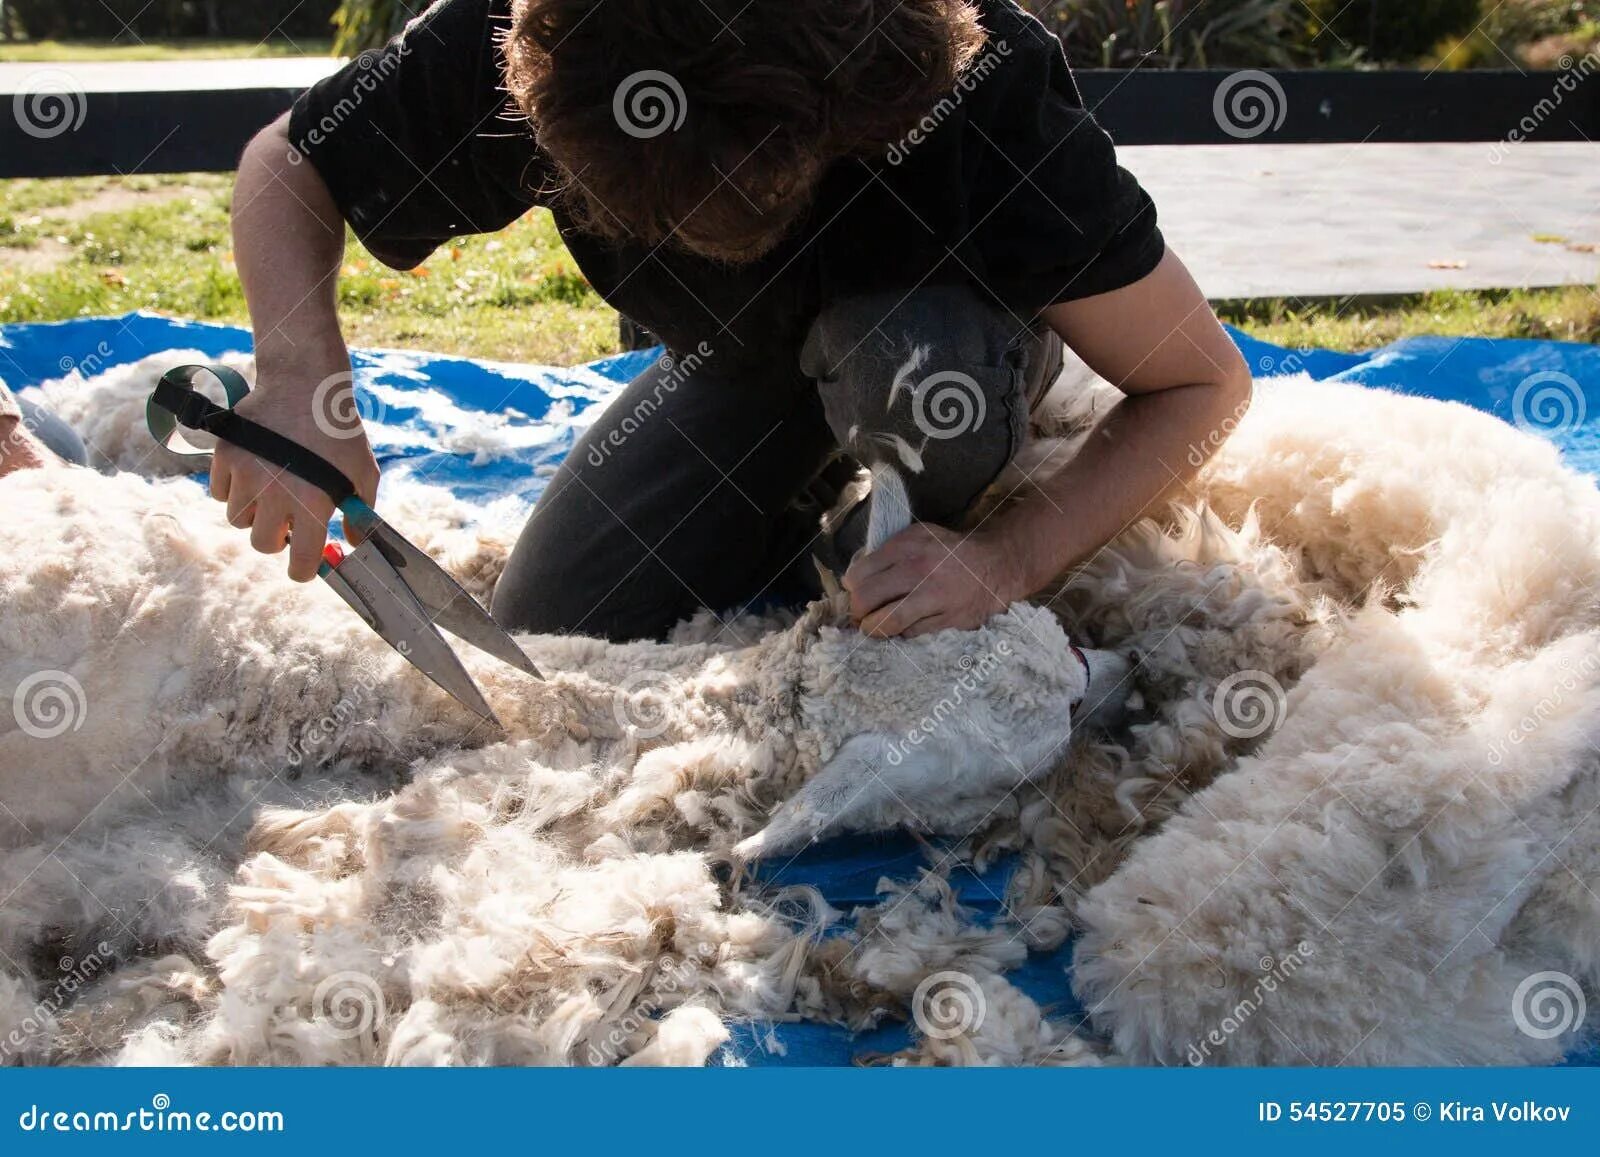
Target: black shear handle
x,y
175,393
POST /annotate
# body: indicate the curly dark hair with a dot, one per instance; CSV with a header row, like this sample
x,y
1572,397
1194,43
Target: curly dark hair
x,y
708,123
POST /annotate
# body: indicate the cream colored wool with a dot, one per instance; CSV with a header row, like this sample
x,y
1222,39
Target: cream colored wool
x,y
297,851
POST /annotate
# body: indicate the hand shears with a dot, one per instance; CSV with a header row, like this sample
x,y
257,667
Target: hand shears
x,y
399,591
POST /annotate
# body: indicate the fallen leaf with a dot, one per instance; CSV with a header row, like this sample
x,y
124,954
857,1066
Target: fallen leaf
x,y
1447,265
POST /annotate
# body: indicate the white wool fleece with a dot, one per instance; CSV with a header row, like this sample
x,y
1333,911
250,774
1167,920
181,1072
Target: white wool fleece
x,y
296,850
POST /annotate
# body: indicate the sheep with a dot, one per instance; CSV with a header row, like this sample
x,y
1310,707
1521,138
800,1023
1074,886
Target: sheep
x,y
280,845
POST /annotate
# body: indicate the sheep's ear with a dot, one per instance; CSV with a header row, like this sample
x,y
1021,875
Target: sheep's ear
x,y
830,581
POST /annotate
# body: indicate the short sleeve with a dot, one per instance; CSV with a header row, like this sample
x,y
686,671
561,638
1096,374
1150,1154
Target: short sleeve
x,y
420,142
1059,218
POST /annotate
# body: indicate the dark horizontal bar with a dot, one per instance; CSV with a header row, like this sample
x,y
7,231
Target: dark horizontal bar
x,y
201,131
1195,107
142,132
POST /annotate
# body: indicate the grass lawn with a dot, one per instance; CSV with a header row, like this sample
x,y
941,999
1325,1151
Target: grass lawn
x,y
101,245
108,245
55,51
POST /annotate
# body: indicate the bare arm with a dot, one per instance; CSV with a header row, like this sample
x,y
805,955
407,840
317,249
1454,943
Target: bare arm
x,y
1186,385
288,241
1159,342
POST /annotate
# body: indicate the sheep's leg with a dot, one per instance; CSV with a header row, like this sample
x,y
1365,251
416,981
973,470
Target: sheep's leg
x,y
849,785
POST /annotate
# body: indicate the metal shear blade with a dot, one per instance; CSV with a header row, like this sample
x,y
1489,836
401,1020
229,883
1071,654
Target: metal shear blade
x,y
366,580
400,592
446,603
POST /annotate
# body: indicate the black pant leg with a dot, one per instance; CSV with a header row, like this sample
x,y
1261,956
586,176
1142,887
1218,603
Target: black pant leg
x,y
680,496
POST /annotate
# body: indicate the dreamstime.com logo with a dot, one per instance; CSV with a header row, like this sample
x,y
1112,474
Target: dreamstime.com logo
x,y
373,69
339,409
1548,1004
974,673
947,1005
350,1003
1249,704
649,103
1275,972
49,703
352,705
673,979
674,371
50,104
948,404
74,975
1249,104
1570,76
970,78
1200,451
90,364
1575,677
159,1117
641,703
1549,403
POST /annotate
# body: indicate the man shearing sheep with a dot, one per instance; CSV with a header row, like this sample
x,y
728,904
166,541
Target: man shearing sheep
x,y
863,229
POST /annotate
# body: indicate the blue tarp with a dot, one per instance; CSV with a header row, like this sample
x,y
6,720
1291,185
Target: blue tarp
x,y
417,405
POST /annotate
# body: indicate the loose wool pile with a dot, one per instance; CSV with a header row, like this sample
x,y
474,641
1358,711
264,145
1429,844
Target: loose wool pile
x,y
236,829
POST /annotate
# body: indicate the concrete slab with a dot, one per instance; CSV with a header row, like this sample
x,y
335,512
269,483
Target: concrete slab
x,y
1309,220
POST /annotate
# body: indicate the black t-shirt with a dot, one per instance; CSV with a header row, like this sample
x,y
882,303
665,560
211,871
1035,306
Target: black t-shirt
x,y
1007,184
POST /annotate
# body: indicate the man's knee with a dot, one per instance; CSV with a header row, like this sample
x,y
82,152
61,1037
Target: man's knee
x,y
936,382
57,436
579,568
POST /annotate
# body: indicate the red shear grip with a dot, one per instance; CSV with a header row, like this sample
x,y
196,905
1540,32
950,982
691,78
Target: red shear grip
x,y
332,555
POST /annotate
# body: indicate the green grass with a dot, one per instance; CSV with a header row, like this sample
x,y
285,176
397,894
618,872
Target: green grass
x,y
54,51
162,243
107,245
1567,314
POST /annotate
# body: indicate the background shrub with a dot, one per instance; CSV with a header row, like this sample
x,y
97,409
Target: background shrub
x,y
1525,33
1179,33
1394,30
363,24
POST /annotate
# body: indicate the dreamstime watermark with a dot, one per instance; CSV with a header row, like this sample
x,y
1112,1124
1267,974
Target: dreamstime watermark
x,y
672,978
1548,1004
975,672
50,103
350,1003
1276,972
1579,675
1249,104
1200,452
649,103
160,1117
948,404
640,703
373,69
1570,75
369,675
939,113
675,370
88,366
1249,704
338,409
74,974
47,704
948,1004
1549,403
17,437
